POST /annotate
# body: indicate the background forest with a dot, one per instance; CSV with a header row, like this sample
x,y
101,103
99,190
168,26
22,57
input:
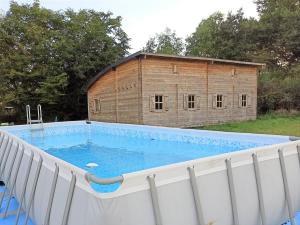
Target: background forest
x,y
49,56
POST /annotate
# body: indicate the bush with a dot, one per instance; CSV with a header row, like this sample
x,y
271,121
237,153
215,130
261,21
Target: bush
x,y
278,90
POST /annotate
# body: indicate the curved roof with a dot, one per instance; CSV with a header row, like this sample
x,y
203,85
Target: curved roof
x,y
141,53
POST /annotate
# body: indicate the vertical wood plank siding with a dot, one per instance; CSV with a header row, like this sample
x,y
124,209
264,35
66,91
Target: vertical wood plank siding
x,y
119,95
126,92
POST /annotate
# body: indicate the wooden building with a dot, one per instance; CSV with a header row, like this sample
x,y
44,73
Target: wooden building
x,y
175,91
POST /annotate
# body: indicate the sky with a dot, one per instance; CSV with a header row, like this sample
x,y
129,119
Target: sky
x,y
142,19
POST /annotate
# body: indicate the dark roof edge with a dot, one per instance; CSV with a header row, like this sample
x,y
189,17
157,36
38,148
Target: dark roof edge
x,y
124,60
140,53
205,59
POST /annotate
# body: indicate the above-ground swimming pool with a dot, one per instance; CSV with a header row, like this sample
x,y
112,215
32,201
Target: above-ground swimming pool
x,y
120,149
164,176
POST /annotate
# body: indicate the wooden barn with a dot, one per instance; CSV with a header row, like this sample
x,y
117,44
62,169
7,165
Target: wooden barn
x,y
174,91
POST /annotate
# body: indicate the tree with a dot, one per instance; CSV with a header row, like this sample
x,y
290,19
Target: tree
x,y
278,35
166,42
27,60
279,31
48,57
92,41
222,37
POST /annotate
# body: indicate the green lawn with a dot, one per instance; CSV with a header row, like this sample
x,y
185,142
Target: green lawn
x,y
268,124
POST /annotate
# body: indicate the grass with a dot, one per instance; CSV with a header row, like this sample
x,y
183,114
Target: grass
x,y
267,124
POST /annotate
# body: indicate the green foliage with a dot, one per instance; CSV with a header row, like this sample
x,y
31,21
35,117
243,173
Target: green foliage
x,y
278,35
222,37
279,31
48,57
205,39
278,89
166,42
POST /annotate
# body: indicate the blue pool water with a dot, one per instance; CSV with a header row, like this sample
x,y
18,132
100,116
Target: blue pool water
x,y
120,149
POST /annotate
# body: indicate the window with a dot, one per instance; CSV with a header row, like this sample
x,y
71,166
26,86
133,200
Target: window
x,y
219,101
191,101
244,100
158,102
97,106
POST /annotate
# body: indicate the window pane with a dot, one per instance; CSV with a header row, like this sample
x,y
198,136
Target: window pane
x,y
156,98
219,101
159,105
158,102
219,97
191,101
244,100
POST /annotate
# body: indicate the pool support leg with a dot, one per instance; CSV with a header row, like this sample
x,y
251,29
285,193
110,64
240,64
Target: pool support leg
x,y
196,195
33,188
259,189
51,196
14,181
232,192
3,166
286,187
155,202
9,175
69,200
298,150
2,139
3,152
24,187
7,152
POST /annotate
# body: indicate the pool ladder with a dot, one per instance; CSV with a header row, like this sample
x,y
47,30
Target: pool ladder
x,y
39,119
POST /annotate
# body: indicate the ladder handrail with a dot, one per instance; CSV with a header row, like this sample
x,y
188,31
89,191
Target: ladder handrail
x,y
40,115
28,114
